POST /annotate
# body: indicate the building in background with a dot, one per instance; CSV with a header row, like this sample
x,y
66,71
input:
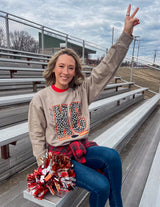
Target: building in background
x,y
52,44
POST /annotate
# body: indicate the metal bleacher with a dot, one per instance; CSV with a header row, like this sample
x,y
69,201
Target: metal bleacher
x,y
118,98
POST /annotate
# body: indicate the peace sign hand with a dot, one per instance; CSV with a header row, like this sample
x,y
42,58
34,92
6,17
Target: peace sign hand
x,y
130,20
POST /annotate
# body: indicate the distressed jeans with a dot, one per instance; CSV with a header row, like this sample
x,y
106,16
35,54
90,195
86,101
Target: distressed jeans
x,y
101,186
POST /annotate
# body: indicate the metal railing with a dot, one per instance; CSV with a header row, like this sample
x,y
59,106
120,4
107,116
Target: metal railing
x,y
9,19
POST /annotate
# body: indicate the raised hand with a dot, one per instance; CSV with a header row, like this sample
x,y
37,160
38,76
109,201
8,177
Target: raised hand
x,y
130,20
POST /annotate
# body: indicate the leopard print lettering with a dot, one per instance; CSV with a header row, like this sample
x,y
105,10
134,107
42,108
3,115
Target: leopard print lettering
x,y
78,122
68,126
61,119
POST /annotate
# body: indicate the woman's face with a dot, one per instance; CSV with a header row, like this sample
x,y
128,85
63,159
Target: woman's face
x,y
64,71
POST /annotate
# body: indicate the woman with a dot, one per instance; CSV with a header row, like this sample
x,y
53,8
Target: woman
x,y
59,118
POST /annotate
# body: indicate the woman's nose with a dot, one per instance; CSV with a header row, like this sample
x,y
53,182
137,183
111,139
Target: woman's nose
x,y
65,70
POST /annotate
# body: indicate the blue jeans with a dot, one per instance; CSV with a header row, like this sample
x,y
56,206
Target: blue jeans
x,y
101,187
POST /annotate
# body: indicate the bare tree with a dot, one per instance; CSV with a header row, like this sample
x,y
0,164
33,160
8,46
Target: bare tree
x,y
21,40
2,38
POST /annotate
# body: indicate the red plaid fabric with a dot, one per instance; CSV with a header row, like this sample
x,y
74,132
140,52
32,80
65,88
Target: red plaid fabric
x,y
76,149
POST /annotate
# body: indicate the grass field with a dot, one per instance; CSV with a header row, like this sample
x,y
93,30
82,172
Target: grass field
x,y
143,77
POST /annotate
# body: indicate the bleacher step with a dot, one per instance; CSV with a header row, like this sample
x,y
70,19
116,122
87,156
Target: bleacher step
x,y
151,193
137,158
123,128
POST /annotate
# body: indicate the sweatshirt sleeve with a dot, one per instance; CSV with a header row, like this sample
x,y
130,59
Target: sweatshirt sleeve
x,y
37,126
104,72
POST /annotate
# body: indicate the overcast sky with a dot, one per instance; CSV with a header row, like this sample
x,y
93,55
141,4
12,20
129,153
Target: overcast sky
x,y
93,20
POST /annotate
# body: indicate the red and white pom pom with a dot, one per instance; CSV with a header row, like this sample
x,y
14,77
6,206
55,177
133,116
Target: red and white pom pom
x,y
55,174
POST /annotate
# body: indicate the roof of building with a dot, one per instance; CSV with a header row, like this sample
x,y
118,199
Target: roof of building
x,y
54,42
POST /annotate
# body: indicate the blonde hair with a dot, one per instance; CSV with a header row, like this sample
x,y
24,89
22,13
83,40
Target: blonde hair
x,y
49,75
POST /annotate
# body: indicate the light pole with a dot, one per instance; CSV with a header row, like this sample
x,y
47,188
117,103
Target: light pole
x,y
134,42
138,50
155,54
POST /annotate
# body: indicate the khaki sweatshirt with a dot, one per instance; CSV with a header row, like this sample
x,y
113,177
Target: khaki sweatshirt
x,y
60,118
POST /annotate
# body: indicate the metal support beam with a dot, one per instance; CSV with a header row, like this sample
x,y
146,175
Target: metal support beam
x,y
42,39
83,51
132,64
7,31
66,41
